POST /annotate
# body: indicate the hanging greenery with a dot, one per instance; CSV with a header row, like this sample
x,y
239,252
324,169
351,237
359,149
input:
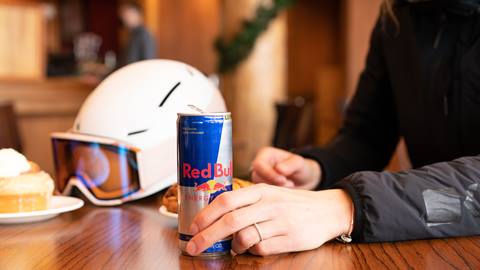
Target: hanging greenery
x,y
240,47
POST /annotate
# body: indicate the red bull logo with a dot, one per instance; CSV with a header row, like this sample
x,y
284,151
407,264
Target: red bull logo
x,y
211,186
212,171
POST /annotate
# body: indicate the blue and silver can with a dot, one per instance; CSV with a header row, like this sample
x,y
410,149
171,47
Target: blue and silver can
x,y
205,170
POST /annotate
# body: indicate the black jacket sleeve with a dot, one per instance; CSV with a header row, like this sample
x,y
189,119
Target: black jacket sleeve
x,y
370,133
439,200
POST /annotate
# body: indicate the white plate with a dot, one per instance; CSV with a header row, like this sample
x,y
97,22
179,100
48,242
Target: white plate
x,y
163,210
58,205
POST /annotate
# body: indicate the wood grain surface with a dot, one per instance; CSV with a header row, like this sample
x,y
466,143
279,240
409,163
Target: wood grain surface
x,y
136,236
22,41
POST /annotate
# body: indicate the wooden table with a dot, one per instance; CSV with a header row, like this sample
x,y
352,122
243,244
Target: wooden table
x,y
136,236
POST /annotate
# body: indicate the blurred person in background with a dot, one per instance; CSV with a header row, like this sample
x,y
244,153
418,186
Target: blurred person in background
x,y
140,42
421,81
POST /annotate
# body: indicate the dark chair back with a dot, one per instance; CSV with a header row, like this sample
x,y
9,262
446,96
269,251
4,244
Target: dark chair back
x,y
9,135
294,127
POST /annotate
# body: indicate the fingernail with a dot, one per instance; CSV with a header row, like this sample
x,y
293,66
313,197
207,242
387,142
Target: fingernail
x,y
191,248
193,228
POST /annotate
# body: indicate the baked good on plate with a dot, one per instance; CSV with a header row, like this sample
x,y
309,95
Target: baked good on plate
x,y
23,186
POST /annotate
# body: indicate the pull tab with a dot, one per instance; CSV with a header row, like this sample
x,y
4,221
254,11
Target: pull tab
x,y
195,108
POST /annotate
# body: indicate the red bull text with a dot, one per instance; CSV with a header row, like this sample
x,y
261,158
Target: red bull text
x,y
205,170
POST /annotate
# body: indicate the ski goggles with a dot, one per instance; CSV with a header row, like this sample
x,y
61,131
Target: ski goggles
x,y
104,170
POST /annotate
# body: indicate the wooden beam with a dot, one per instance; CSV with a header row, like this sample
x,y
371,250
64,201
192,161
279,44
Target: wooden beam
x,y
22,42
253,88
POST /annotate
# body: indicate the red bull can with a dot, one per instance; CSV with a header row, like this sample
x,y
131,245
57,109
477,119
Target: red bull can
x,y
205,170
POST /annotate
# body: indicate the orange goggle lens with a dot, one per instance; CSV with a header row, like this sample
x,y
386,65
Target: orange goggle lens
x,y
107,171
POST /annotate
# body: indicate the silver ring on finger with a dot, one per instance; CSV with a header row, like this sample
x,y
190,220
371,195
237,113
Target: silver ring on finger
x,y
258,231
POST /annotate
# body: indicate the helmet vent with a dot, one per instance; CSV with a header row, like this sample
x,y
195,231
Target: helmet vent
x,y
169,93
137,132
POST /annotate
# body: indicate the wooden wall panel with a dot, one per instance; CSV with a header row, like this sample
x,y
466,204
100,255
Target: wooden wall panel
x,y
22,44
151,15
20,1
313,42
360,17
328,99
187,30
315,58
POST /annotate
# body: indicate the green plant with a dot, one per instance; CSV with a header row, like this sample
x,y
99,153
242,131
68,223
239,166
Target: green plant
x,y
239,48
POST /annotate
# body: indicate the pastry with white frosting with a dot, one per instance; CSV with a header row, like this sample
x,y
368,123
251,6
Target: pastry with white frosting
x,y
23,186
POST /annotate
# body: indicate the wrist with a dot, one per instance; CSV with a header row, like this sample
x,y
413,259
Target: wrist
x,y
314,175
342,212
334,215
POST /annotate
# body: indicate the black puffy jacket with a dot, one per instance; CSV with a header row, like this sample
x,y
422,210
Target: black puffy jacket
x,y
422,82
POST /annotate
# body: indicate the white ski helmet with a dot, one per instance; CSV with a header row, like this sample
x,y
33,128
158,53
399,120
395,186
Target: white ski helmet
x,y
136,107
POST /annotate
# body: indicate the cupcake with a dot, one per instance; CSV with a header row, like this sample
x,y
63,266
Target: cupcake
x,y
23,186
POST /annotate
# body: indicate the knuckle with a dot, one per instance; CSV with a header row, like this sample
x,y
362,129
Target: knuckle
x,y
237,249
276,208
225,199
298,159
271,209
261,187
257,180
201,221
243,239
256,164
287,226
261,249
264,149
202,239
259,166
232,219
255,177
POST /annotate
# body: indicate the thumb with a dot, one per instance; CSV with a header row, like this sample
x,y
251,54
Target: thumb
x,y
290,165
